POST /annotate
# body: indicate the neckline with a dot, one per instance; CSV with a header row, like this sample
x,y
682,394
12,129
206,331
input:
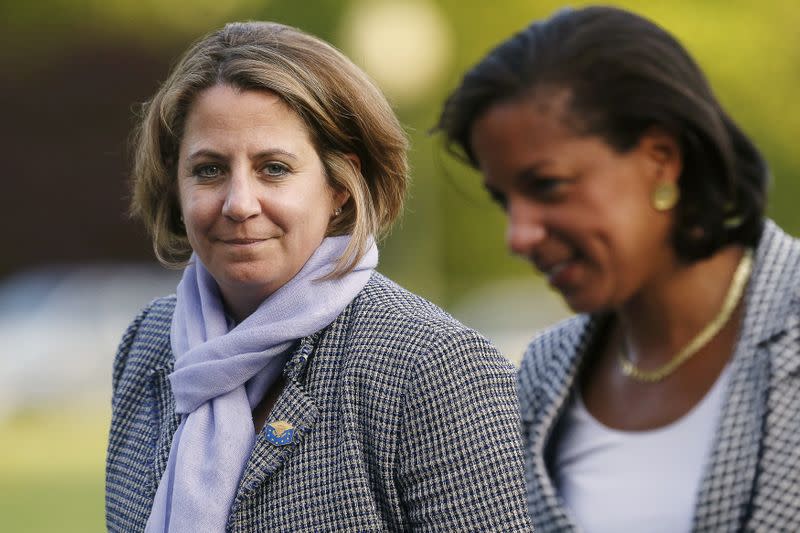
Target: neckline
x,y
715,390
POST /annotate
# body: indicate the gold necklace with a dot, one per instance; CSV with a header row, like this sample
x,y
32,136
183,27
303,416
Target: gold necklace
x,y
732,298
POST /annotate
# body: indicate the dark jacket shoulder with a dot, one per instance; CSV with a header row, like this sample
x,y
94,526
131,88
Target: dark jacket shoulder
x,y
387,316
143,347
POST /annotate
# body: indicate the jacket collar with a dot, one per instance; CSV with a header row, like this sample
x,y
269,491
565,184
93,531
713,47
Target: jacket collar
x,y
773,285
729,481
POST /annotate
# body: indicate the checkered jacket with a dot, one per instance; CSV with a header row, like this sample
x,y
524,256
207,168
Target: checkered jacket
x,y
405,420
752,481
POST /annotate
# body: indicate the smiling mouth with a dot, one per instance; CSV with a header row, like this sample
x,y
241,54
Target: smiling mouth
x,y
556,269
553,271
242,242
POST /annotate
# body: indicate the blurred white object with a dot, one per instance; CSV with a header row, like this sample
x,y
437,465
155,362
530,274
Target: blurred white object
x,y
60,326
405,45
510,312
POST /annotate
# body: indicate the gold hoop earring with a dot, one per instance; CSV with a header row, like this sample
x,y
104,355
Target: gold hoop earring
x,y
665,196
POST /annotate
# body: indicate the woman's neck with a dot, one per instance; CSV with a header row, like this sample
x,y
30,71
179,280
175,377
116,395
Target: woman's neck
x,y
667,313
240,303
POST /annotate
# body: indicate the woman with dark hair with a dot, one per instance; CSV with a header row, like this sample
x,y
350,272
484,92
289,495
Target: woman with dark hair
x,y
288,386
670,403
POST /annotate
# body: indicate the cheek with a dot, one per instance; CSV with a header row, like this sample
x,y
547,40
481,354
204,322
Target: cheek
x,y
314,206
303,214
197,211
199,216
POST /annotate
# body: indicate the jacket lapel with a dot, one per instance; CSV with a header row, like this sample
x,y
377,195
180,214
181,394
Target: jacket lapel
x,y
728,485
728,481
557,382
294,406
298,409
165,421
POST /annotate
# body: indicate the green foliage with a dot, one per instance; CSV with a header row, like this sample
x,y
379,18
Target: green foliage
x,y
51,470
40,504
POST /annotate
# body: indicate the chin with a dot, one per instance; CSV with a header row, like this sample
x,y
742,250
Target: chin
x,y
585,303
247,276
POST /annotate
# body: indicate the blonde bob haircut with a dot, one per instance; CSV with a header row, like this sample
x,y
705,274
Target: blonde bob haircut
x,y
344,111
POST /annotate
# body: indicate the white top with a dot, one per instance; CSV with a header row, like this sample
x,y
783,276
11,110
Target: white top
x,y
642,481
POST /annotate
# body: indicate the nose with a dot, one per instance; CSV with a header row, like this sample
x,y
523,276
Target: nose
x,y
525,229
241,200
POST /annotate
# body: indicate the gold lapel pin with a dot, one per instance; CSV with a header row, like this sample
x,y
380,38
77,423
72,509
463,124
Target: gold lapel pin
x,y
279,433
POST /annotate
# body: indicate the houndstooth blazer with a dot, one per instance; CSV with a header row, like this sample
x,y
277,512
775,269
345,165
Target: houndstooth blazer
x,y
752,480
405,420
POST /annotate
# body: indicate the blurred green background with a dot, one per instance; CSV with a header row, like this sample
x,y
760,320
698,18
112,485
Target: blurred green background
x,y
72,72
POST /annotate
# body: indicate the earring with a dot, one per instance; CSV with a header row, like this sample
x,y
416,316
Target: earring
x,y
732,219
665,196
337,211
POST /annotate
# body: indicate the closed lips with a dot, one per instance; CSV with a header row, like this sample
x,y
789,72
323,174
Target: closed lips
x,y
242,241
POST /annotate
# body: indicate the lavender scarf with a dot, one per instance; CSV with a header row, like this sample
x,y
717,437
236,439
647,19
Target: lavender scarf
x,y
221,374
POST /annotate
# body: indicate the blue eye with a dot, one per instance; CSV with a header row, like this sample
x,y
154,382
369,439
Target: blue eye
x,y
275,169
207,171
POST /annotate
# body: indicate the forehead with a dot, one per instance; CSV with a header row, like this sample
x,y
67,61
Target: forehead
x,y
224,110
533,123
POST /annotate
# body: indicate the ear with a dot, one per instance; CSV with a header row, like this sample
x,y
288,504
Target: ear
x,y
663,154
341,195
355,161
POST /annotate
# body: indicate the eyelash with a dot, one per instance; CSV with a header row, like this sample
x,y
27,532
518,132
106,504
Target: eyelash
x,y
200,171
272,169
282,169
543,189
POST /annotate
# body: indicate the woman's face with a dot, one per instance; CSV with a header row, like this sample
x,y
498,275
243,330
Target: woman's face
x,y
253,192
576,208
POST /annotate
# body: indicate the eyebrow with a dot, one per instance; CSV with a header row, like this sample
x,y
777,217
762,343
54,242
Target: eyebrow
x,y
532,171
272,152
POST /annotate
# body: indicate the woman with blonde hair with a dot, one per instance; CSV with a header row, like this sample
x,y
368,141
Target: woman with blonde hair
x,y
287,386
670,403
